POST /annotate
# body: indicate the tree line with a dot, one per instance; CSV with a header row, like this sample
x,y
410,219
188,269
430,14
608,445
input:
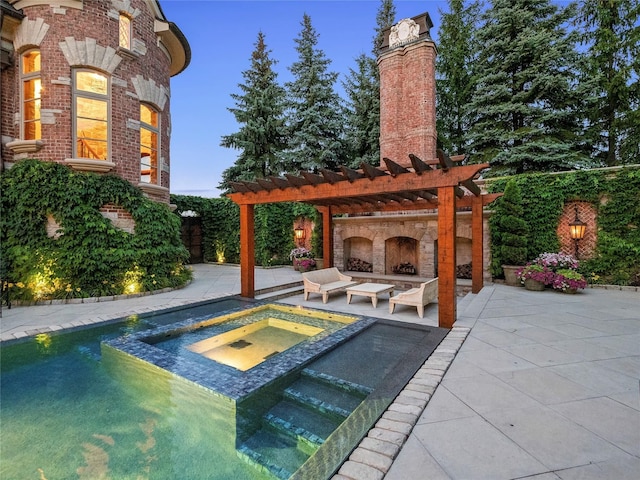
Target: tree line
x,y
526,85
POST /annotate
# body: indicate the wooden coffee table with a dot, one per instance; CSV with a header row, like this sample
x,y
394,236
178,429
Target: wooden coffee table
x,y
370,290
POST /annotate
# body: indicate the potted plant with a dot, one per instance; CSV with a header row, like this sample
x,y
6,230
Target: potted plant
x,y
535,277
306,264
297,254
568,281
509,232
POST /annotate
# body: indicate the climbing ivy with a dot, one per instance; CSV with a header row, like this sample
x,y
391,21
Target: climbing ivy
x,y
273,234
615,195
90,257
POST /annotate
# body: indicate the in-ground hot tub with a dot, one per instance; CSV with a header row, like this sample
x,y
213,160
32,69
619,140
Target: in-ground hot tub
x,y
236,354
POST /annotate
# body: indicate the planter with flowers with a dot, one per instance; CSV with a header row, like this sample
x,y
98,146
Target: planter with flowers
x,y
556,270
306,264
299,254
535,277
568,281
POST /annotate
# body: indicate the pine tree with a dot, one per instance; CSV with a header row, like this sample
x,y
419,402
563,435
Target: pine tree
x,y
610,82
457,52
526,114
259,110
385,18
315,112
362,86
362,135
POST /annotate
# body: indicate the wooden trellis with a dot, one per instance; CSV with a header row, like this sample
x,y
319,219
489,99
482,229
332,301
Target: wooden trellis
x,y
445,185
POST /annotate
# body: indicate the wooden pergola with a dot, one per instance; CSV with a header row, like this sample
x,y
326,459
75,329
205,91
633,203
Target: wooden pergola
x,y
445,185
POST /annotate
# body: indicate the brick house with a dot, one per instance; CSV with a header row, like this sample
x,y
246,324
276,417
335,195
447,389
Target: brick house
x,y
86,83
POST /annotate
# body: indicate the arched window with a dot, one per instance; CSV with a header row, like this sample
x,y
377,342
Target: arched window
x,y
149,135
31,91
91,114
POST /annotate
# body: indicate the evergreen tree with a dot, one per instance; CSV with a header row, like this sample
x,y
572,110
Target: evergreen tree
x,y
526,114
259,110
385,18
457,52
362,86
315,112
610,71
362,136
508,230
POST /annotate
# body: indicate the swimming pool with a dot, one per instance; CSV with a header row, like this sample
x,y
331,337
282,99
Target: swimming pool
x,y
67,412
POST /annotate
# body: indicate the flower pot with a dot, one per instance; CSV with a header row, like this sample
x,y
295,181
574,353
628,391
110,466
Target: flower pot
x,y
570,290
510,275
534,285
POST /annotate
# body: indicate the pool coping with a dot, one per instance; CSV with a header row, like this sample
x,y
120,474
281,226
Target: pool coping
x,y
375,453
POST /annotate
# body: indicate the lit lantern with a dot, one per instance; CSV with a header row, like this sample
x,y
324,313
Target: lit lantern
x,y
577,229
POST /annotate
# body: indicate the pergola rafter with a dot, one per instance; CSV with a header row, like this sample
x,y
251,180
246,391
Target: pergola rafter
x,y
443,184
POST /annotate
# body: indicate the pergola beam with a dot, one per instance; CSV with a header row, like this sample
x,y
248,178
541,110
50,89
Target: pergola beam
x,y
409,182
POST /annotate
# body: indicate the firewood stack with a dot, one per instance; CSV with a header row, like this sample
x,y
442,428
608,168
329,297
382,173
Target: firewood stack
x,y
357,265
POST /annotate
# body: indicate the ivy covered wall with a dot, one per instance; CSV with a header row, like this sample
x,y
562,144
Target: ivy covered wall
x,y
89,255
615,194
273,228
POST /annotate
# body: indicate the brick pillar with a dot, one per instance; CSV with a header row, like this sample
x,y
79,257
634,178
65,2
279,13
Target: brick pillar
x,y
407,66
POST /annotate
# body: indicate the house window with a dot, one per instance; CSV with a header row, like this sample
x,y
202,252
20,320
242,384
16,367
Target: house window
x,y
91,115
149,145
31,91
125,32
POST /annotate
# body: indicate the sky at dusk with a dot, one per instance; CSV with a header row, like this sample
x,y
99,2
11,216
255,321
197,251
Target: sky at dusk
x,y
222,36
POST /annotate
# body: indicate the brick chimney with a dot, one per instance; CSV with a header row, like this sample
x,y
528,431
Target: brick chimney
x,y
407,66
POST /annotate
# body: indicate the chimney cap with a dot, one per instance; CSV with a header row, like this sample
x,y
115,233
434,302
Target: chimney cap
x,y
422,23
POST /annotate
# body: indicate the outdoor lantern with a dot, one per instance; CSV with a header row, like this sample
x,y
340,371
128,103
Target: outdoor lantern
x,y
299,232
577,229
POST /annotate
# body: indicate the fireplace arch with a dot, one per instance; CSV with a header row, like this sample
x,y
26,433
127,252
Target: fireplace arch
x,y
402,256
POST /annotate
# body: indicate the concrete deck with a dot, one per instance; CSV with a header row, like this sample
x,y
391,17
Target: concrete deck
x,y
537,385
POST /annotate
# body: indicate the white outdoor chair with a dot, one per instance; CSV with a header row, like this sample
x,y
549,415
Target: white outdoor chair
x,y
420,296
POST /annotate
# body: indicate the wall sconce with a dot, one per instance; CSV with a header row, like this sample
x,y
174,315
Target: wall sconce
x,y
299,233
577,229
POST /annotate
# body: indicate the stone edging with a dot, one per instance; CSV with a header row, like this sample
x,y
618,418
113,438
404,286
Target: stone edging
x,y
373,457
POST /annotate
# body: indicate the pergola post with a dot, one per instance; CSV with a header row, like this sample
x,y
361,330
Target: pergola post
x,y
446,257
247,251
327,236
477,244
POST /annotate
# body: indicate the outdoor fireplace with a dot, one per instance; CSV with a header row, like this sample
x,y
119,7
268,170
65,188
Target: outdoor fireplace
x,y
401,256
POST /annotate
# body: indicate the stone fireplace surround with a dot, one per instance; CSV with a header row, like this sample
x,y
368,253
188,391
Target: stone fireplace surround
x,y
386,240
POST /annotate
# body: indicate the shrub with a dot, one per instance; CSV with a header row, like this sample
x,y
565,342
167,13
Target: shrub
x,y
509,230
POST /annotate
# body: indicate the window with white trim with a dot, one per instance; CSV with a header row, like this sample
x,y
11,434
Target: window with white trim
x,y
31,128
91,114
149,135
124,33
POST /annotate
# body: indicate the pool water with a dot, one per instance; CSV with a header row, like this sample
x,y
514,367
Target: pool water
x,y
65,416
245,347
71,409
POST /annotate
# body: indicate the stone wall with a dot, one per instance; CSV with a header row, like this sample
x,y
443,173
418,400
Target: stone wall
x,y
367,238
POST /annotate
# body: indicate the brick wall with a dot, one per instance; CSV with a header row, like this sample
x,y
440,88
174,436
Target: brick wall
x,y
408,102
96,20
587,214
